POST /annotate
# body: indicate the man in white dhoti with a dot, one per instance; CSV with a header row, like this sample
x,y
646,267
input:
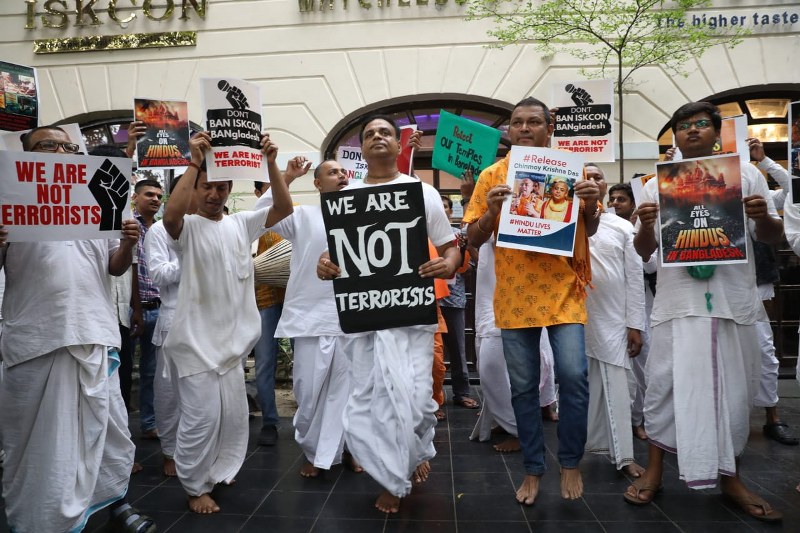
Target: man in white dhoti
x,y
497,410
620,199
766,275
615,309
791,221
165,271
320,375
704,355
216,321
389,419
64,424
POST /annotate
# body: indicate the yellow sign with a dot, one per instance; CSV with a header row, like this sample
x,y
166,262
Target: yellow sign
x,y
115,42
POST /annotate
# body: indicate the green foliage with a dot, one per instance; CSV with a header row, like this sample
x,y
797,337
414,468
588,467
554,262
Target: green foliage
x,y
285,360
608,33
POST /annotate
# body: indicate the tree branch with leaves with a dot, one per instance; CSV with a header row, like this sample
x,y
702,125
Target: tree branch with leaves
x,y
623,35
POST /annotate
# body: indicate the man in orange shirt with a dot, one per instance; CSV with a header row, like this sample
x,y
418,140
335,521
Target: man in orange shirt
x,y
535,291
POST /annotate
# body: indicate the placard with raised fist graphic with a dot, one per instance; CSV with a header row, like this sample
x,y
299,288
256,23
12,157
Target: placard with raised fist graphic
x,y
233,119
584,122
63,197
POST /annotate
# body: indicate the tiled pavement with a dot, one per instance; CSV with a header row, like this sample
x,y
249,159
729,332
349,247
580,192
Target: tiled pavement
x,y
470,490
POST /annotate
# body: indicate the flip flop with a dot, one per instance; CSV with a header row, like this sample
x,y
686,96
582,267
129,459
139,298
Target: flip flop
x,y
750,506
467,403
634,499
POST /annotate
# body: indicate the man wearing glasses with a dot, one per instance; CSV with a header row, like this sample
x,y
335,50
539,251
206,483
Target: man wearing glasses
x,y
702,375
63,422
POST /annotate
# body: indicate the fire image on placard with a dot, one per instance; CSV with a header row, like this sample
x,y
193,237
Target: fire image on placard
x,y
701,214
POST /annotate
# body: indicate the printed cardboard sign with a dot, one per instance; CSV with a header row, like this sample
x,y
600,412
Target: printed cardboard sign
x,y
701,216
165,144
63,197
233,119
462,144
585,119
378,237
541,214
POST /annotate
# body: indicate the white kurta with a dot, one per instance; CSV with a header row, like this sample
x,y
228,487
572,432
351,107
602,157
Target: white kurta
x,y
389,421
701,384
216,319
616,300
321,381
164,267
58,293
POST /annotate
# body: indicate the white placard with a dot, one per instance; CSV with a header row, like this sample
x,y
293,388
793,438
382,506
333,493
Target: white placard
x,y
232,109
584,123
63,197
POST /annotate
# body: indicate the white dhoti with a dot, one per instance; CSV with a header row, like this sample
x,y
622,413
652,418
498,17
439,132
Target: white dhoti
x,y
700,385
547,376
65,434
767,390
389,421
166,402
637,381
609,432
496,389
212,433
321,388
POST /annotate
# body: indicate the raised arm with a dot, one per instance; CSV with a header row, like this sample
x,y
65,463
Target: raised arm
x,y
282,200
181,196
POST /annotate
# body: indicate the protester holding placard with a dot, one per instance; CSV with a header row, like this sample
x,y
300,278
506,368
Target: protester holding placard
x,y
389,418
216,321
705,337
60,393
523,307
320,375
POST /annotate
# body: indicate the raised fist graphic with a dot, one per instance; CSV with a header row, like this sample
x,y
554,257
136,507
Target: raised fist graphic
x,y
233,95
110,188
579,96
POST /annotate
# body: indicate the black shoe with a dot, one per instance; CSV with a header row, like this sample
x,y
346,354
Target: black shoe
x,y
268,436
779,432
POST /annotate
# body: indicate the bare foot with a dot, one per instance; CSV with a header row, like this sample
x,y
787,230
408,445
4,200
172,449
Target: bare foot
x,y
387,503
509,445
350,463
571,483
203,504
309,470
633,470
168,467
639,432
136,468
421,472
644,489
527,492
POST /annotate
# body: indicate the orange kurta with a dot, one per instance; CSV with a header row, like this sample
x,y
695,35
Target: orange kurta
x,y
533,289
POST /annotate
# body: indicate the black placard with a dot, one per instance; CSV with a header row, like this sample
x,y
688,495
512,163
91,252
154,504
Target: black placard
x,y
379,238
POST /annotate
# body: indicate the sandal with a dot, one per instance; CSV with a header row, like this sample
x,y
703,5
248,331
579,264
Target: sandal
x,y
640,486
440,415
751,505
132,521
467,403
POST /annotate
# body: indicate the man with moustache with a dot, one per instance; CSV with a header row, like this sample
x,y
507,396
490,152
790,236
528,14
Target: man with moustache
x,y
536,291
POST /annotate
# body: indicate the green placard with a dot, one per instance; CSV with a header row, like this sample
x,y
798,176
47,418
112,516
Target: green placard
x,y
462,144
